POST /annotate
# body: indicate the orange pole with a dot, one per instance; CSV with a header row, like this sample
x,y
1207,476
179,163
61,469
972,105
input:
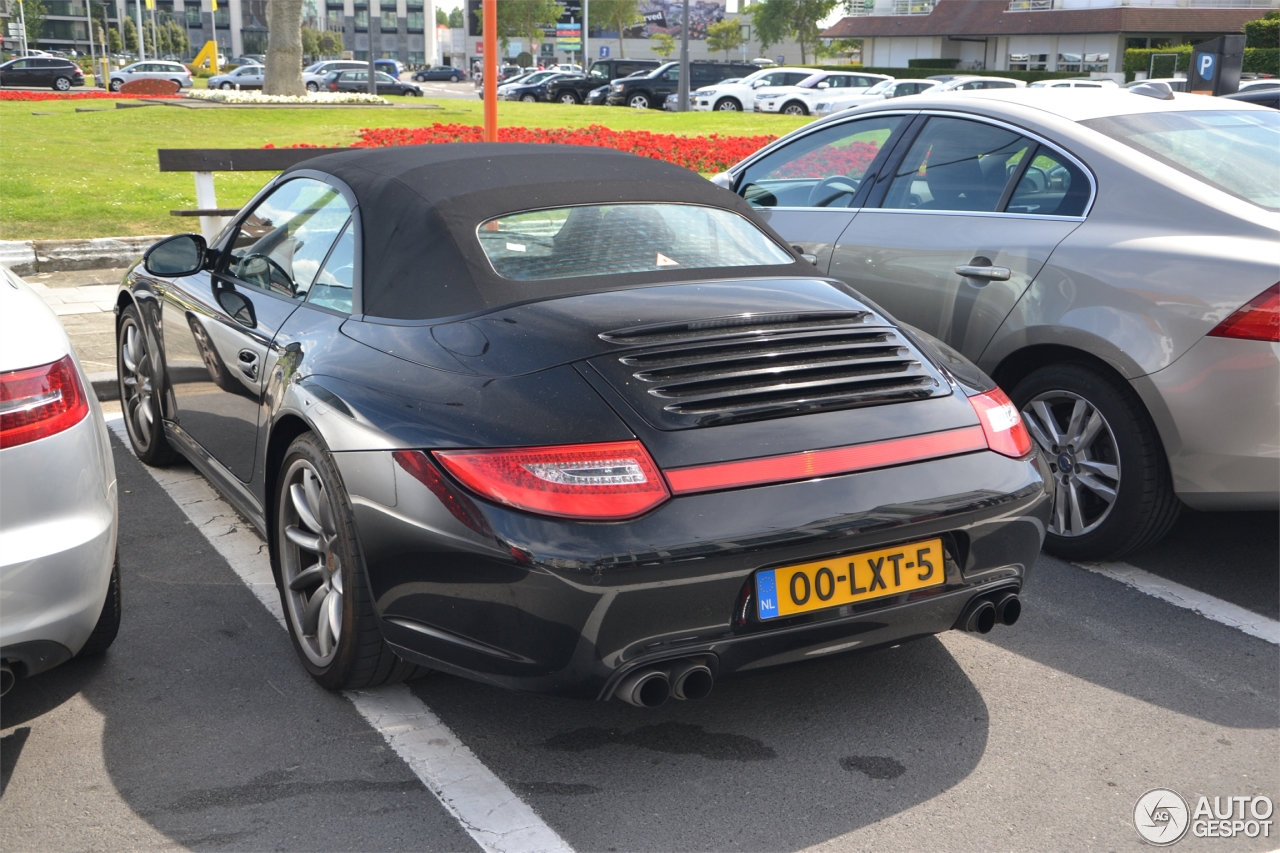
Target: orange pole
x,y
490,70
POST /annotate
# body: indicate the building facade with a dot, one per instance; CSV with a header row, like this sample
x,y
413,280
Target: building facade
x,y
1078,36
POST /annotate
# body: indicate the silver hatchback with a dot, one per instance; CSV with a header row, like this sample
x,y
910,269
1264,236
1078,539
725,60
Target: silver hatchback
x,y
1109,258
151,70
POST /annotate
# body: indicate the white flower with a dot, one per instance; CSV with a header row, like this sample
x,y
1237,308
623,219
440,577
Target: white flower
x,y
233,96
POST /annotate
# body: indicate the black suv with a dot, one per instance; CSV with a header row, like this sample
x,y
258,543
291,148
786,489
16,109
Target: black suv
x,y
60,74
650,91
574,90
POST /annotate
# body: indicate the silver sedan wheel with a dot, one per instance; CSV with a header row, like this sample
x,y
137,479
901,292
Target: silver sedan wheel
x,y
1083,456
311,569
136,386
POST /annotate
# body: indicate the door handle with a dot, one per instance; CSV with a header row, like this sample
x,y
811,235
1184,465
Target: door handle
x,y
248,363
991,273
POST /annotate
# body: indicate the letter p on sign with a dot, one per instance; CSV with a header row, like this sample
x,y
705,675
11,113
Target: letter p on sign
x,y
1204,65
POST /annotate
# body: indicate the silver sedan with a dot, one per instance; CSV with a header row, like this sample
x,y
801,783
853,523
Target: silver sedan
x,y
59,583
1109,257
244,77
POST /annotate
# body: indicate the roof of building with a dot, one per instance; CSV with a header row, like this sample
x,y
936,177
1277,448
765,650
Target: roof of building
x,y
993,18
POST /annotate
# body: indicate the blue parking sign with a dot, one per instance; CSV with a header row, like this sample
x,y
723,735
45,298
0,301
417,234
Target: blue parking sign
x,y
1204,65
604,51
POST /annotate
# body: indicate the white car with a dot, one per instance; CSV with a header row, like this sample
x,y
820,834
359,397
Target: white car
x,y
151,70
800,99
879,92
740,94
1073,83
59,582
313,75
244,77
1260,83
973,84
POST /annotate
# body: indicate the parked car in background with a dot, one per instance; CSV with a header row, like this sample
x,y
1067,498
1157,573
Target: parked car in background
x,y
882,91
651,90
523,82
440,72
1177,84
51,71
151,70
759,466
973,84
1255,83
739,95
1269,97
533,89
358,81
1109,258
390,67
596,97
800,99
1072,83
244,77
58,508
575,89
314,75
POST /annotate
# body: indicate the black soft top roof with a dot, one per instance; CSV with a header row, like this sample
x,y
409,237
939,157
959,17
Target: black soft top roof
x,y
420,206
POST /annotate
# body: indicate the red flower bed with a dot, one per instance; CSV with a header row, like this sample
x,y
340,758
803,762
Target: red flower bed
x,y
850,159
10,95
712,153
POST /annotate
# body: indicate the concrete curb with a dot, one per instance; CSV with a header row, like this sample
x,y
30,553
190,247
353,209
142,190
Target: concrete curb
x,y
105,386
35,256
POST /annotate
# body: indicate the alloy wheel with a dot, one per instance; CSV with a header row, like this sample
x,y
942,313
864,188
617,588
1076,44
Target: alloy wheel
x,y
136,386
728,105
310,566
793,110
1083,456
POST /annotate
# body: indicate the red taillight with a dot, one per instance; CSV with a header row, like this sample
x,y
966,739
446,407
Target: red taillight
x,y
1006,433
1259,320
825,463
40,401
590,482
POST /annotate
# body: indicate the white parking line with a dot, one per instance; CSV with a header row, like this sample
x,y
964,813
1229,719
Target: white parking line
x,y
498,820
1253,624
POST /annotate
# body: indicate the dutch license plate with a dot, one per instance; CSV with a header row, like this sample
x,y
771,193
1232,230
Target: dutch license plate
x,y
849,578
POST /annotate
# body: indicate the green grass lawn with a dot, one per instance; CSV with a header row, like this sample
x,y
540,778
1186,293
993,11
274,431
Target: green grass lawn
x,y
65,174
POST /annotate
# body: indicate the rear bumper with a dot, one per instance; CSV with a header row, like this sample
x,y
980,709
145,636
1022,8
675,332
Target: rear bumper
x,y
569,608
1222,399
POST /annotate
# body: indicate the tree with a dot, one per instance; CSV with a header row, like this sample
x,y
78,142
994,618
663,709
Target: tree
x,y
839,48
663,44
130,36
329,44
114,45
457,20
35,13
724,35
442,17
778,20
310,42
1264,32
620,15
524,19
178,38
284,49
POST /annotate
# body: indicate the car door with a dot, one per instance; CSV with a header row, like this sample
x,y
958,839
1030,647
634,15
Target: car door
x,y
41,71
960,226
354,81
220,325
810,188
19,73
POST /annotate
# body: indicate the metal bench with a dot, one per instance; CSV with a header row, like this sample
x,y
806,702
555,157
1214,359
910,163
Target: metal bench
x,y
205,161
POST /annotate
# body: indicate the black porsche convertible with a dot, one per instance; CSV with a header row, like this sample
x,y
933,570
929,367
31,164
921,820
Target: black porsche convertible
x,y
570,420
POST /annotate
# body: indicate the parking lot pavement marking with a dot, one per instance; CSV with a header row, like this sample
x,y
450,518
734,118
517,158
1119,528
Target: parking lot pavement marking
x,y
1251,623
488,810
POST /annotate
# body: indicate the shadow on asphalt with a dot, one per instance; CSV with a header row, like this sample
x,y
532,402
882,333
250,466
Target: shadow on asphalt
x,y
780,760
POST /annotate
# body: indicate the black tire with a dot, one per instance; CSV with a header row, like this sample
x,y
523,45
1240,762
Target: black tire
x,y
640,101
728,105
359,657
104,632
115,85
313,87
529,99
225,85
139,388
1125,442
794,108
62,84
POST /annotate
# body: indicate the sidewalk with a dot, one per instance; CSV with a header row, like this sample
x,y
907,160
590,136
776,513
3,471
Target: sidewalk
x,y
83,301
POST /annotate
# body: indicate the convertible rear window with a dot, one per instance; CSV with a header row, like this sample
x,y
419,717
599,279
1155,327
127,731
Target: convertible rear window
x,y
594,240
1232,150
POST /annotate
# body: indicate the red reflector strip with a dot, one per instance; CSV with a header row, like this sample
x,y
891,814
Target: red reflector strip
x,y
823,463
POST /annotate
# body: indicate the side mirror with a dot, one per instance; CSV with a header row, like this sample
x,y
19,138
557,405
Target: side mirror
x,y
182,254
723,180
758,84
824,85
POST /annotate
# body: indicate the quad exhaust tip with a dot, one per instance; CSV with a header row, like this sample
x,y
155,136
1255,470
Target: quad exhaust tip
x,y
1008,608
688,678
985,613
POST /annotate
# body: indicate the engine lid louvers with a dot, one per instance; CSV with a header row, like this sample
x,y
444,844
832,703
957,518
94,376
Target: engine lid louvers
x,y
734,369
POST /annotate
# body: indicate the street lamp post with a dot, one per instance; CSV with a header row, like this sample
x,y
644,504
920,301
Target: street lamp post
x,y
683,95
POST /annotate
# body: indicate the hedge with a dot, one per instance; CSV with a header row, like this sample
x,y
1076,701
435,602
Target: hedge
x,y
1264,32
920,73
933,63
1257,60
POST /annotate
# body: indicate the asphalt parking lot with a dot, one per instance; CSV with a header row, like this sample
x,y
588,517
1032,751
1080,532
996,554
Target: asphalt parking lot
x,y
199,729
